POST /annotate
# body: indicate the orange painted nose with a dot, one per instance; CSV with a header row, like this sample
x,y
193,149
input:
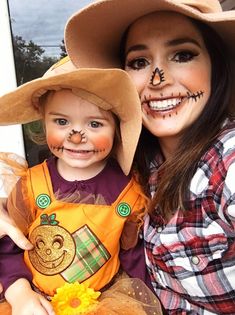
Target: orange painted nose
x,y
75,138
157,77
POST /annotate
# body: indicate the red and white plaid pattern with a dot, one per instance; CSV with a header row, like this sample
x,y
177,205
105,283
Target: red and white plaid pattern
x,y
191,260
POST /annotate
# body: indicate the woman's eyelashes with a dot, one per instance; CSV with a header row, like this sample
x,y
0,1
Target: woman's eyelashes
x,y
137,63
184,56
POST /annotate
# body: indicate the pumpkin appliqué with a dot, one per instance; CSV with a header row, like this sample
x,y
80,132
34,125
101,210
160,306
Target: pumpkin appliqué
x,y
54,247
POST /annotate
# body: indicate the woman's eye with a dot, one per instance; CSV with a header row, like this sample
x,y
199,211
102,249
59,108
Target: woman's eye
x,y
95,124
137,64
61,121
184,56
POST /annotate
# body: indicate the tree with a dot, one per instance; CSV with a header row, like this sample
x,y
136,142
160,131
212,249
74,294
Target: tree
x,y
63,50
29,60
30,64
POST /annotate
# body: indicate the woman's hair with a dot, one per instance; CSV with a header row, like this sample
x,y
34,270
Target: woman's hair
x,y
175,174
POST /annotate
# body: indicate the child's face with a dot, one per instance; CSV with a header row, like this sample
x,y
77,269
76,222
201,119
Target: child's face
x,y
78,132
167,59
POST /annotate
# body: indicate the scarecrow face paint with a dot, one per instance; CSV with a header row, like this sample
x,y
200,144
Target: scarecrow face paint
x,y
171,69
79,133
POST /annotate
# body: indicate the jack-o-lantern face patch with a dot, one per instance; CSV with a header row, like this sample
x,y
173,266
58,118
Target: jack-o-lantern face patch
x,y
54,247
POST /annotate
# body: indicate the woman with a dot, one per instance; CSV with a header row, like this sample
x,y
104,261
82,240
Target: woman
x,y
186,151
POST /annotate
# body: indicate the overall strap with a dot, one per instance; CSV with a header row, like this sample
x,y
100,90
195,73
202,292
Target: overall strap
x,y
131,199
41,185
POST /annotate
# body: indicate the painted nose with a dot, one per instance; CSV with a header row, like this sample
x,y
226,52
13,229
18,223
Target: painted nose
x,y
76,137
157,77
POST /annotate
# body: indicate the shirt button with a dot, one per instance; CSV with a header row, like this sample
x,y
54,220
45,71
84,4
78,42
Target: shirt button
x,y
159,229
195,260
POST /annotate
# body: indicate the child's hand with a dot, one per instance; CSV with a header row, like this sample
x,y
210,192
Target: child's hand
x,y
24,301
8,227
32,304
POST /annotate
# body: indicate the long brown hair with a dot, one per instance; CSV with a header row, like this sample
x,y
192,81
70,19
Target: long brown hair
x,y
175,174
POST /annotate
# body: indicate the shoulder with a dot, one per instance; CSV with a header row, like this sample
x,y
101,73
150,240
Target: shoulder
x,y
114,172
217,162
223,146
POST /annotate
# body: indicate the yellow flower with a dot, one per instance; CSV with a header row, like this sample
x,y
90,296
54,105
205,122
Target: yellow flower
x,y
74,299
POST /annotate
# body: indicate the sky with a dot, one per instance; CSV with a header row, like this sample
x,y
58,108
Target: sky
x,y
43,21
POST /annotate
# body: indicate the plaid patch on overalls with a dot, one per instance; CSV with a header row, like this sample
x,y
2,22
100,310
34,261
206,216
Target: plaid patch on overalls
x,y
91,255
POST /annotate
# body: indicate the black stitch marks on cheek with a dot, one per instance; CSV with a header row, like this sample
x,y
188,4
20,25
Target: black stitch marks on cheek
x,y
53,148
157,77
195,96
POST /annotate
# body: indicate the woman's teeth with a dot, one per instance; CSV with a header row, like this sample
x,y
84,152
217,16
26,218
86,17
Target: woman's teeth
x,y
166,104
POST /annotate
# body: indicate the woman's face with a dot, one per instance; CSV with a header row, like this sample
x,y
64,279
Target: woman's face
x,y
166,57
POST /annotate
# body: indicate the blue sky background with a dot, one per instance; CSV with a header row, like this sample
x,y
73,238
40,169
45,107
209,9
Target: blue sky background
x,y
43,21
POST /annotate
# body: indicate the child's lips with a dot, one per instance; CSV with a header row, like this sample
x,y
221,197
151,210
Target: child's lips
x,y
83,151
79,151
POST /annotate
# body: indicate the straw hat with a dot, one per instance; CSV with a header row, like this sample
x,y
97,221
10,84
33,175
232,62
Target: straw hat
x,y
110,89
93,34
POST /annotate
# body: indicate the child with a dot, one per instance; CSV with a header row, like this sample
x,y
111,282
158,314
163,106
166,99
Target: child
x,y
74,205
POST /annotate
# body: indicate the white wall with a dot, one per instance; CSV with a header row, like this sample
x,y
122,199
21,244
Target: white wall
x,y
11,137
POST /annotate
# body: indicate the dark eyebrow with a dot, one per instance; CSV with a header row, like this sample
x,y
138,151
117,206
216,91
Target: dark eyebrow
x,y
173,42
136,48
183,40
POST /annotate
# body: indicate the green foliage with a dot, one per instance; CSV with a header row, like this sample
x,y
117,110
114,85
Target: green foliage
x,y
29,60
63,50
30,63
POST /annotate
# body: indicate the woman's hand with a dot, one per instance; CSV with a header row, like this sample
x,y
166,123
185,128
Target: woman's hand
x,y
24,301
8,227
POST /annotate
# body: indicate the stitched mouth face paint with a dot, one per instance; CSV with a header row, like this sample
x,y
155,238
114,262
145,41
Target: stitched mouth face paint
x,y
76,137
165,104
162,104
55,142
157,77
54,148
195,96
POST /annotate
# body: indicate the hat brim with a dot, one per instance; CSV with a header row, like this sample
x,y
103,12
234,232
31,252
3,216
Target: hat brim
x,y
110,89
93,35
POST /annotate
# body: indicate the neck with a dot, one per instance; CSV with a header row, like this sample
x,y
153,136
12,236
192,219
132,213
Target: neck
x,y
75,173
168,146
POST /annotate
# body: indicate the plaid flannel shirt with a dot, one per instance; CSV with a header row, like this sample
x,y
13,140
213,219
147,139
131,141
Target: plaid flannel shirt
x,y
191,259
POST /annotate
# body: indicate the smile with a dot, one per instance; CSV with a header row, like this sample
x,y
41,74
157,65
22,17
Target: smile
x,y
83,151
50,264
164,105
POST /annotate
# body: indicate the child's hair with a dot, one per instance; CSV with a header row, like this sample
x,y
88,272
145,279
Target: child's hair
x,y
38,134
176,173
